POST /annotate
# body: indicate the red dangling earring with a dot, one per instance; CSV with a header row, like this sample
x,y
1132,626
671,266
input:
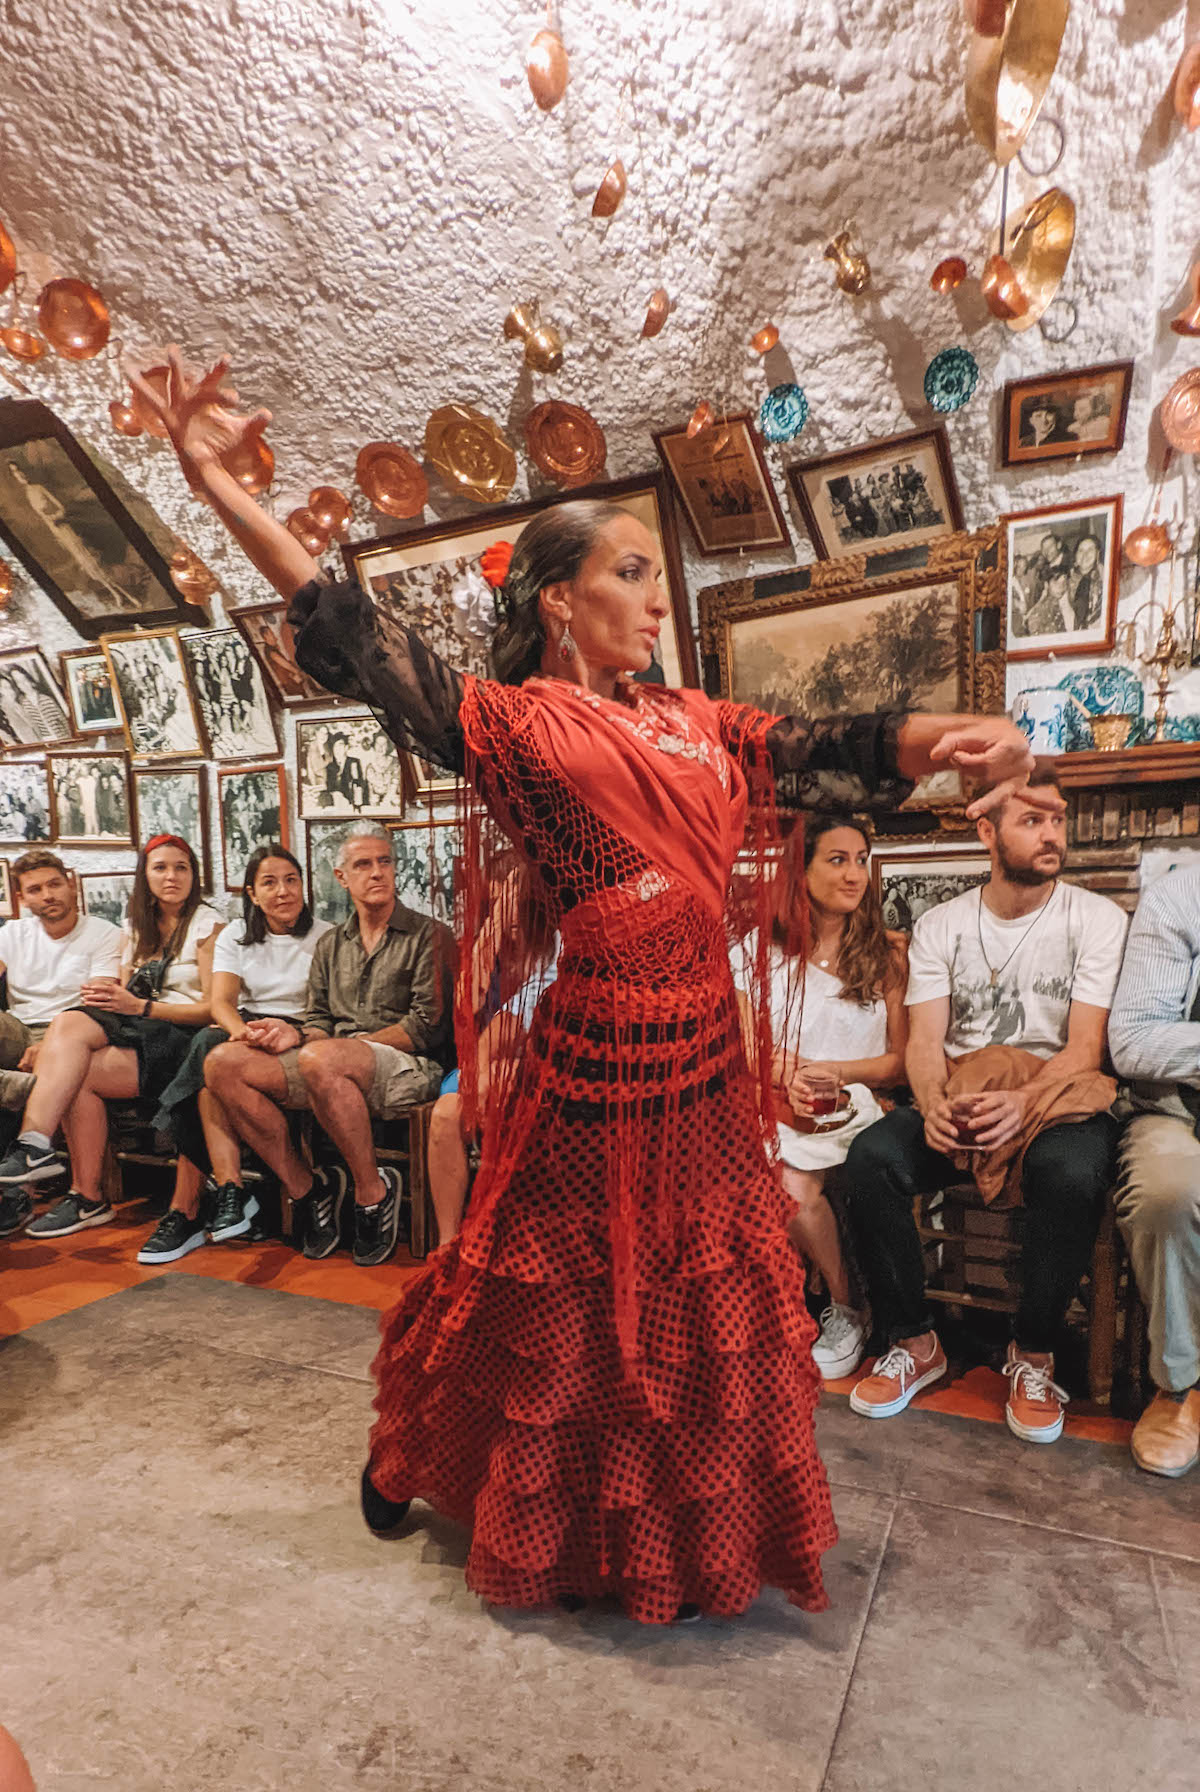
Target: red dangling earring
x,y
566,647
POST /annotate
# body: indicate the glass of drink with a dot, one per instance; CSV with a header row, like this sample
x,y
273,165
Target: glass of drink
x,y
965,1112
824,1089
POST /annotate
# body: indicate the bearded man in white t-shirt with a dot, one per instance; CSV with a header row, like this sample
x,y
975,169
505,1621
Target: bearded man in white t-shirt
x,y
1025,961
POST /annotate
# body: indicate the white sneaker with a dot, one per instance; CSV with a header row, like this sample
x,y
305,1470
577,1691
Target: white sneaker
x,y
839,1348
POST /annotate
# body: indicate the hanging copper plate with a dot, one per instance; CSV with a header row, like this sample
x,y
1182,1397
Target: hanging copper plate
x,y
1007,76
74,319
657,312
1187,87
252,464
22,344
546,67
8,260
948,274
1180,413
610,192
157,378
471,452
391,479
1037,247
565,442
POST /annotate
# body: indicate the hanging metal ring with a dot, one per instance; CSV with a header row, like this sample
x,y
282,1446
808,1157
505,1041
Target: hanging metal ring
x,y
1057,328
1060,138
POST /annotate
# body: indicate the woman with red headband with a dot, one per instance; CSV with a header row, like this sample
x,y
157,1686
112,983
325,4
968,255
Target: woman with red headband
x,y
128,1038
608,1373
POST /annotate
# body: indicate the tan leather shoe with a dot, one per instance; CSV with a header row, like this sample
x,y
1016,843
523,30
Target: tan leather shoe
x,y
1166,1439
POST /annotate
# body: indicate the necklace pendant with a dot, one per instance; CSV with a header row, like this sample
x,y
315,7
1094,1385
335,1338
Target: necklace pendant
x,y
995,979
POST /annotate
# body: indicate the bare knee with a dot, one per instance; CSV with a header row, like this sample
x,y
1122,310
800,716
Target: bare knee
x,y
72,1028
227,1065
806,1189
445,1122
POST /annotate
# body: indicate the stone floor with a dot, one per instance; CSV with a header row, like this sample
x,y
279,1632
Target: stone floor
x,y
189,1601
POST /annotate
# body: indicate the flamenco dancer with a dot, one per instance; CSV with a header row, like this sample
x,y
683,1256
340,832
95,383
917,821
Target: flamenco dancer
x,y
607,1375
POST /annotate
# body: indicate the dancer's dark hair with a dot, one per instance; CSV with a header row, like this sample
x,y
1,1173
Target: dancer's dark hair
x,y
548,550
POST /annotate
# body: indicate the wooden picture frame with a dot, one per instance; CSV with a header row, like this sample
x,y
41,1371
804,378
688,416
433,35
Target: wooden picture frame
x,y
264,785
1065,416
222,655
414,575
724,487
92,701
9,902
88,789
912,879
25,802
1060,595
64,521
270,639
174,800
159,712
32,710
366,780
884,497
106,893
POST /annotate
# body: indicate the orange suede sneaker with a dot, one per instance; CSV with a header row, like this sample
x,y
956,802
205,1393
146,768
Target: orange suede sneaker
x,y
1034,1410
896,1377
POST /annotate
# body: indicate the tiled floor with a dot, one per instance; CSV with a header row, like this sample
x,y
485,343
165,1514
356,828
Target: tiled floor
x,y
188,1599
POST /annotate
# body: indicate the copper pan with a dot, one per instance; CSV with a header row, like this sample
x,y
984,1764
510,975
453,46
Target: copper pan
x,y
1008,75
1037,246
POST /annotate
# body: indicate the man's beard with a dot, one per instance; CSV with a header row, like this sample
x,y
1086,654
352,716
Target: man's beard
x,y
1027,874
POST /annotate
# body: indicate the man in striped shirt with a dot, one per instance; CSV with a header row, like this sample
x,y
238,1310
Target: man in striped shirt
x,y
1154,1037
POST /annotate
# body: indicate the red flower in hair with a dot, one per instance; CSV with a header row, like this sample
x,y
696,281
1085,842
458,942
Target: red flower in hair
x,y
495,562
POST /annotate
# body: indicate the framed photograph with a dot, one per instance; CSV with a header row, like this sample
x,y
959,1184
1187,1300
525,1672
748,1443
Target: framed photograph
x,y
724,486
1061,416
24,802
329,899
911,879
105,893
431,578
269,636
175,802
32,712
89,799
1062,569
232,697
95,559
158,710
894,494
91,696
253,805
346,765
425,855
8,896
426,782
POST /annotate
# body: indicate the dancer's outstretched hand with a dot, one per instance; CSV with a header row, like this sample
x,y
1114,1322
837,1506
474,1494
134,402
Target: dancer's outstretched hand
x,y
200,415
992,750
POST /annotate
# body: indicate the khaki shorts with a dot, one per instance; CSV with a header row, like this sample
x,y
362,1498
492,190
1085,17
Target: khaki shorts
x,y
401,1081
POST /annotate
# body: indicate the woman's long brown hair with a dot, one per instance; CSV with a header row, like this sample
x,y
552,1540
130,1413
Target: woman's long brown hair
x,y
869,963
145,917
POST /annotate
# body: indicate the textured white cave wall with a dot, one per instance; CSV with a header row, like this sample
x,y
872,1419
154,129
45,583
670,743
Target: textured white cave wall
x,y
348,197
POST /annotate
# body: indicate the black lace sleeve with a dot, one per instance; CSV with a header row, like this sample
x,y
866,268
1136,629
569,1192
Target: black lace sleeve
x,y
350,647
845,760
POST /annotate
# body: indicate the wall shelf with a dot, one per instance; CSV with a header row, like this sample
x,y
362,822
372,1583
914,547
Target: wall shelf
x,y
1166,763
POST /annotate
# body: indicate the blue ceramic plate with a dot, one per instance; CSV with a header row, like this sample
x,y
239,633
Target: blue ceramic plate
x,y
950,379
783,413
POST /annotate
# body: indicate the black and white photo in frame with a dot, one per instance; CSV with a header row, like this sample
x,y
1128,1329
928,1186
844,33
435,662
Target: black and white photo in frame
x,y
107,894
1063,568
32,712
161,720
24,801
8,906
89,794
232,696
91,695
912,879
346,765
253,808
425,854
328,899
175,801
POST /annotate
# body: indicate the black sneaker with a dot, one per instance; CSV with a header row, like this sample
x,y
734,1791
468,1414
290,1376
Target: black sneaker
x,y
321,1213
72,1214
235,1208
29,1163
173,1237
377,1229
383,1516
15,1208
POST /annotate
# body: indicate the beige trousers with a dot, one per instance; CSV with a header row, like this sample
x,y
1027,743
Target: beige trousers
x,y
1158,1211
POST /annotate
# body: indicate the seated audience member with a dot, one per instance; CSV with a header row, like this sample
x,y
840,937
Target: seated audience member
x,y
838,1023
128,1038
1155,1039
1026,964
373,1041
47,956
259,974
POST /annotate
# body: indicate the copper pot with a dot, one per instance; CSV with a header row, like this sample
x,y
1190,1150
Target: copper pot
x,y
1002,290
74,319
546,67
308,532
948,274
1147,545
765,339
252,464
124,418
22,344
329,509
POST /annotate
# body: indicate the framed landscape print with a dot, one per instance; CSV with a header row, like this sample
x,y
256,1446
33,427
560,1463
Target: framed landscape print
x,y
425,855
269,635
232,697
253,807
91,698
346,765
89,798
175,801
1062,569
911,879
157,707
32,712
1061,416
106,893
72,533
887,495
8,899
431,578
24,801
724,486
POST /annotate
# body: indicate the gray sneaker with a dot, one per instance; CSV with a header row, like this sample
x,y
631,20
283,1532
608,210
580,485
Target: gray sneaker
x,y
29,1163
72,1214
15,1208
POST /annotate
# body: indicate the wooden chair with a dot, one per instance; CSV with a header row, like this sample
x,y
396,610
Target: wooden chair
x,y
402,1143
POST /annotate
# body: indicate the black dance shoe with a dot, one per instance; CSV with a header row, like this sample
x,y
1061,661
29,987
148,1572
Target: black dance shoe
x,y
383,1517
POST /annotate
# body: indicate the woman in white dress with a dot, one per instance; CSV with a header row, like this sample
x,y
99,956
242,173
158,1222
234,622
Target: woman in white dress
x,y
837,1010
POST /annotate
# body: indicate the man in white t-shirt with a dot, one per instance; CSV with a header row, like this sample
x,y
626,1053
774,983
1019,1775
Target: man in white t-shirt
x,y
1025,961
47,955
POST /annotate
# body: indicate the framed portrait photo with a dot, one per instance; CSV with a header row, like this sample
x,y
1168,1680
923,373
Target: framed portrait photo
x,y
91,695
328,899
8,896
158,710
724,486
898,493
32,711
175,801
230,692
431,578
1061,416
89,799
253,808
911,879
425,856
1062,568
24,802
269,636
106,893
346,765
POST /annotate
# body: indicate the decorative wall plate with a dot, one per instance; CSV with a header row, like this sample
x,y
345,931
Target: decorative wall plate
x,y
950,379
565,442
391,479
471,452
1180,413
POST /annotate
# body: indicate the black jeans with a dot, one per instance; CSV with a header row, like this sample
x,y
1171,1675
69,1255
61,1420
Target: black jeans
x,y
1068,1172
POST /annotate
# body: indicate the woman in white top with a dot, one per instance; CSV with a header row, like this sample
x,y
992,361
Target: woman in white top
x,y
259,976
129,1037
837,1009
